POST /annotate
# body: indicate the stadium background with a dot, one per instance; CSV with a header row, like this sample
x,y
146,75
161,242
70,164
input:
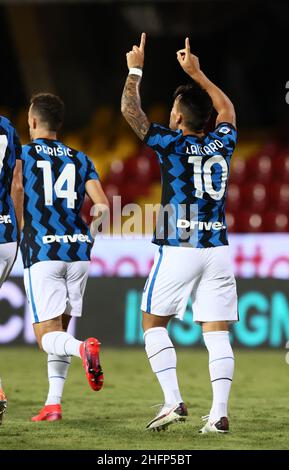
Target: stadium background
x,y
77,49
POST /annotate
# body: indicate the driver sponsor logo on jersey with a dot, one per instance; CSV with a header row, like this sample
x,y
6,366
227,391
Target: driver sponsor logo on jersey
x,y
201,225
77,237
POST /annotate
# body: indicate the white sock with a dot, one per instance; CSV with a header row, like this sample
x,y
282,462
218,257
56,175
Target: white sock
x,y
163,360
221,366
61,344
57,367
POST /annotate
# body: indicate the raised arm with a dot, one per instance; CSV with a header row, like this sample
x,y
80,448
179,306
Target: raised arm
x,y
221,102
130,100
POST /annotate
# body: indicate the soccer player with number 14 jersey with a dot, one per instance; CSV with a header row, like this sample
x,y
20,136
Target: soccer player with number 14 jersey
x,y
193,257
56,245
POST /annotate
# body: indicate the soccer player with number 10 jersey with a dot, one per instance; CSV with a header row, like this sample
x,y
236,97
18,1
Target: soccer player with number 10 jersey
x,y
193,257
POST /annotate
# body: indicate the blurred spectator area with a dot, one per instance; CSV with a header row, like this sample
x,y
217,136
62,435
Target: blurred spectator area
x,y
258,189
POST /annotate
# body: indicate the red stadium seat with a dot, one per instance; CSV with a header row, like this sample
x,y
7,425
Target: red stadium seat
x,y
279,196
233,197
281,168
254,196
270,148
130,192
238,171
276,222
116,173
260,169
138,169
249,222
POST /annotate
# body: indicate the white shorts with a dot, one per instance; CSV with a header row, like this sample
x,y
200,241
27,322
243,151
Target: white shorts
x,y
205,274
54,288
8,253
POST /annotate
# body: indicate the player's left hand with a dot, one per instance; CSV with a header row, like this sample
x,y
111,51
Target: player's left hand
x,y
135,58
188,61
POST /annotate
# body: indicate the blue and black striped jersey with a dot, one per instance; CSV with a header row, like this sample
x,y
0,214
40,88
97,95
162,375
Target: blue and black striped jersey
x,y
10,149
194,173
54,178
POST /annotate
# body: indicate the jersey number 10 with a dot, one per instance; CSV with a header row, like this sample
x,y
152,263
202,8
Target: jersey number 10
x,y
205,171
67,176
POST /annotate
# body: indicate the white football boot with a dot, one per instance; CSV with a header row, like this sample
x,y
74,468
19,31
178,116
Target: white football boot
x,y
219,426
168,415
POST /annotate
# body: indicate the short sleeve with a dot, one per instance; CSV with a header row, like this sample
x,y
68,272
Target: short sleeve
x,y
91,173
160,138
17,145
227,133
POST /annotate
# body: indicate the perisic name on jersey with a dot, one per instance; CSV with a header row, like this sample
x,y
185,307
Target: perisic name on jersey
x,y
54,151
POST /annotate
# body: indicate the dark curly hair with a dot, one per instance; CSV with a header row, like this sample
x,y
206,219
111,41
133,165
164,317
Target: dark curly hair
x,y
195,104
50,109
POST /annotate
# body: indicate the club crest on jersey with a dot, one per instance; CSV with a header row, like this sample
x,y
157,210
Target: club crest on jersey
x,y
224,130
77,237
201,225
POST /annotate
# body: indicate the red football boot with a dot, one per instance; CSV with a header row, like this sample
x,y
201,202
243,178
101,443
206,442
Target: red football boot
x,y
89,351
3,404
49,413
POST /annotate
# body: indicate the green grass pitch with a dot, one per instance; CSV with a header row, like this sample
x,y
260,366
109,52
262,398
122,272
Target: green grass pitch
x,y
115,418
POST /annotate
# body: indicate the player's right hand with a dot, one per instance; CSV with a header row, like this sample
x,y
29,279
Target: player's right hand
x,y
188,61
135,58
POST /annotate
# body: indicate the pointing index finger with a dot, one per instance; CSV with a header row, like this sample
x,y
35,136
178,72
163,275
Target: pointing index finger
x,y
187,43
142,41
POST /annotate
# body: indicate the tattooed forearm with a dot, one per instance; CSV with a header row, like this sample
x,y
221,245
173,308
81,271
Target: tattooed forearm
x,y
131,107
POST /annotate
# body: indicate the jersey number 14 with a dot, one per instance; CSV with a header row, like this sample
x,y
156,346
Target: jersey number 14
x,y
67,176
